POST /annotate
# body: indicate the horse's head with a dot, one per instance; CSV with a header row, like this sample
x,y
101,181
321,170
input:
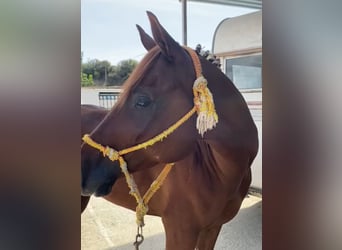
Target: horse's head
x,y
157,94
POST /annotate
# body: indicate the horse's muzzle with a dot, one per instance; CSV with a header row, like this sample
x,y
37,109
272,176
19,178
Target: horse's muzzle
x,y
102,190
98,175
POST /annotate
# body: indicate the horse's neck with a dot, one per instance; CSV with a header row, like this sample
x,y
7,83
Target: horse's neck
x,y
209,169
235,135
228,99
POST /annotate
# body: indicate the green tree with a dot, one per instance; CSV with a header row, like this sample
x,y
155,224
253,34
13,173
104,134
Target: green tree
x,y
113,78
97,68
86,80
102,69
98,72
89,67
119,74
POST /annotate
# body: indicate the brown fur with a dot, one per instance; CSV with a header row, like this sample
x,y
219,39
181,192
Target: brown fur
x,y
212,174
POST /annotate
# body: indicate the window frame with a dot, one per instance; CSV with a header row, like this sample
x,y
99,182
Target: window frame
x,y
223,63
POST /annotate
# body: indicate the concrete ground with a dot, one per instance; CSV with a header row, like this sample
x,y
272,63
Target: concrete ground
x,y
106,226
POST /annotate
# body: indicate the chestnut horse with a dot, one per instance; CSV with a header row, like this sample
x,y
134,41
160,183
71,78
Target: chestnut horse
x,y
212,171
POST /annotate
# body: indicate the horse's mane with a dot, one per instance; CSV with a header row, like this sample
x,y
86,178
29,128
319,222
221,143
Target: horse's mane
x,y
137,75
206,54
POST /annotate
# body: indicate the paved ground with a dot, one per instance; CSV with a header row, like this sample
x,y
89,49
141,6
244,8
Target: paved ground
x,y
109,227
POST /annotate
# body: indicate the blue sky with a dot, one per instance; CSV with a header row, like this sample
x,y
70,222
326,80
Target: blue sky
x,y
108,30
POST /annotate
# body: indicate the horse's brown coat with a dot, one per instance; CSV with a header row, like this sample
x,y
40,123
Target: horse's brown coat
x,y
212,174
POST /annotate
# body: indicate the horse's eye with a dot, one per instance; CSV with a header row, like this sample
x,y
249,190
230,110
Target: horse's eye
x,y
142,102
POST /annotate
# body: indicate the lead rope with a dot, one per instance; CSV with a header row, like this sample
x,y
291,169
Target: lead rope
x,y
142,202
139,238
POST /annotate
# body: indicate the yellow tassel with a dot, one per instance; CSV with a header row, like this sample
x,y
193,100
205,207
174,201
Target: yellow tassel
x,y
206,114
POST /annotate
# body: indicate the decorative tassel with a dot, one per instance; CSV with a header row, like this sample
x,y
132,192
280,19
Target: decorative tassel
x,y
206,114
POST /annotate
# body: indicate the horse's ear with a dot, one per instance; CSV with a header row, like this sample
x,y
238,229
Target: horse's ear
x,y
169,47
146,40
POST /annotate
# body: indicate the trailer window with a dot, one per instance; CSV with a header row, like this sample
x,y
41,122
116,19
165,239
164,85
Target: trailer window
x,y
245,72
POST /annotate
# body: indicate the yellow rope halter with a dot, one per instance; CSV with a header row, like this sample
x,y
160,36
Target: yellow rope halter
x,y
206,120
114,155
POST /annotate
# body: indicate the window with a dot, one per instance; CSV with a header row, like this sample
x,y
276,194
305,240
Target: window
x,y
245,72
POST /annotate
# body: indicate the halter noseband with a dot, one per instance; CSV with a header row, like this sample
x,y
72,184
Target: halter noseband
x,y
206,120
